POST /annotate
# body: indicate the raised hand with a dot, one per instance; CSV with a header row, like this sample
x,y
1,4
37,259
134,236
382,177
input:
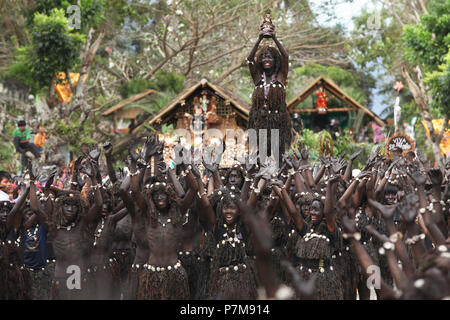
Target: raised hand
x,y
153,146
89,169
212,167
31,171
356,154
50,179
386,211
94,154
348,224
250,162
266,170
163,167
409,208
107,148
297,161
325,161
288,161
275,182
78,164
338,165
133,155
333,179
305,154
436,176
195,171
418,177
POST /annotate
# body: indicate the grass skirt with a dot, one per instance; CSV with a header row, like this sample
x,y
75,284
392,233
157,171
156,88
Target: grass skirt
x,y
104,281
163,285
133,282
15,281
233,285
125,259
41,280
198,270
328,284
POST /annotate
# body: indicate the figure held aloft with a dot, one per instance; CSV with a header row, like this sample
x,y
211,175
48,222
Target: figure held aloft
x,y
267,27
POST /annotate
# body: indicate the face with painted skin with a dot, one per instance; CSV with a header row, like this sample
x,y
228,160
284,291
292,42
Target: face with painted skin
x,y
161,200
391,198
267,61
316,212
230,213
234,178
27,213
69,213
5,208
106,207
303,208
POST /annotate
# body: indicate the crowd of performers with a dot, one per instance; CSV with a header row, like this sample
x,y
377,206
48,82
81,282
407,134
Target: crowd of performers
x,y
303,231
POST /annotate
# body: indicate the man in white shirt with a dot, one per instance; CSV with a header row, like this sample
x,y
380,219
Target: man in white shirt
x,y
5,186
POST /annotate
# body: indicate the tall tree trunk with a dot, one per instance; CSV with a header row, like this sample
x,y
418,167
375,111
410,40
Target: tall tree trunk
x,y
422,99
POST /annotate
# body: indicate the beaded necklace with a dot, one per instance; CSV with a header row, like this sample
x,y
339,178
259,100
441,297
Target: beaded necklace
x,y
98,233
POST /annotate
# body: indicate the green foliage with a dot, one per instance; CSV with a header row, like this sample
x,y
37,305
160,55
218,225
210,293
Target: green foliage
x,y
427,44
168,81
134,86
7,150
75,133
91,11
439,81
54,49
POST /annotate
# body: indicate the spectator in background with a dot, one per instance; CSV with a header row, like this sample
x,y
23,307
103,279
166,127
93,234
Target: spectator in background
x,y
41,137
22,137
6,186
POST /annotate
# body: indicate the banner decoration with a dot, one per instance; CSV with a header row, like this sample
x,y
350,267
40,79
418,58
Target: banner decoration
x,y
399,142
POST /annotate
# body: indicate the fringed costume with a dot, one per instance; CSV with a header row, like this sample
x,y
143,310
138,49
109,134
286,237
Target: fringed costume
x,y
313,256
269,109
233,275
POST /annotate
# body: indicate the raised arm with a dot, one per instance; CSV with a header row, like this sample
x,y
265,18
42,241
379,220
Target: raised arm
x,y
126,198
363,257
254,70
263,243
94,212
207,214
14,218
75,181
282,75
399,276
290,206
107,149
394,236
176,184
436,178
134,181
193,188
329,209
35,207
348,170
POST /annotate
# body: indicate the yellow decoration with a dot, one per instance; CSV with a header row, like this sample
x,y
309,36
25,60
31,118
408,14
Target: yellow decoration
x,y
62,86
445,142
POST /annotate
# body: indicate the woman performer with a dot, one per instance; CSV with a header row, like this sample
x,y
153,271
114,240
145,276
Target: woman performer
x,y
269,74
